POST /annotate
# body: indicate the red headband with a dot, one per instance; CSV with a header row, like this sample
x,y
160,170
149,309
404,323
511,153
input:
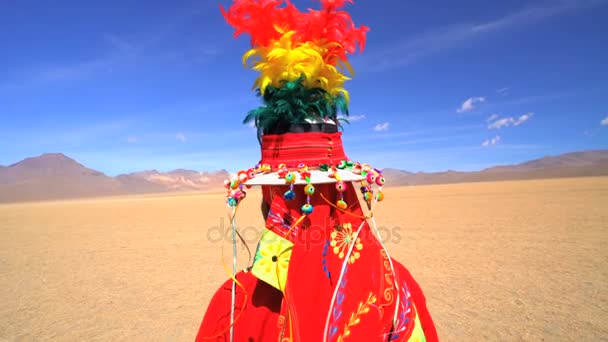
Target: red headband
x,y
312,149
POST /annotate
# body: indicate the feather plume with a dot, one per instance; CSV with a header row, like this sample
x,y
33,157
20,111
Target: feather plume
x,y
301,58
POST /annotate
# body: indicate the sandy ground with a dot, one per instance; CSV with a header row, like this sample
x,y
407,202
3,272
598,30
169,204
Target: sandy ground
x,y
501,261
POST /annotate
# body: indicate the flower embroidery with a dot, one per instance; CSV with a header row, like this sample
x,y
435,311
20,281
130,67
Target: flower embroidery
x,y
274,257
355,317
272,260
341,240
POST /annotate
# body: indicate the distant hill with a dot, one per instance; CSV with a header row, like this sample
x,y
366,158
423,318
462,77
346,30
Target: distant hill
x,y
56,176
576,164
178,180
53,176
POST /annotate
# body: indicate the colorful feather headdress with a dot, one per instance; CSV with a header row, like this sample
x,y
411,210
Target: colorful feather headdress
x,y
301,58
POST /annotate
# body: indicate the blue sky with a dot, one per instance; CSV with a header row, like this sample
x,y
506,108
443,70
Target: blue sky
x,y
125,86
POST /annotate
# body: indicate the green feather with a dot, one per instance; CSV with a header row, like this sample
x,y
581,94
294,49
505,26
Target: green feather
x,y
293,103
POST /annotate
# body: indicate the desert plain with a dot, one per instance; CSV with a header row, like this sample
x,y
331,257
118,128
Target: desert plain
x,y
498,261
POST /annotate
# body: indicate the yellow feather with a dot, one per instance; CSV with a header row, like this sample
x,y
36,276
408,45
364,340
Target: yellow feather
x,y
280,61
248,55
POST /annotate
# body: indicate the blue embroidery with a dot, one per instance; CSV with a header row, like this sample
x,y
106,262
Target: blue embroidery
x,y
324,260
277,221
405,306
337,312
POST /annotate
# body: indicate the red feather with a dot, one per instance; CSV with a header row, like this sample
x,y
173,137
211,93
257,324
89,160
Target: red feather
x,y
328,26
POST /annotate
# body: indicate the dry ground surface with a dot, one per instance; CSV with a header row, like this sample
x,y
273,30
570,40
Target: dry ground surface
x,y
500,261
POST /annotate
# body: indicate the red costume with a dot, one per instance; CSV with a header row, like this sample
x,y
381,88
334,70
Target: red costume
x,y
321,271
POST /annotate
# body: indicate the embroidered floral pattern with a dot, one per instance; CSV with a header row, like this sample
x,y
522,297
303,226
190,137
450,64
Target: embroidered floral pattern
x,y
341,240
408,327
324,260
355,318
387,283
273,257
272,260
337,310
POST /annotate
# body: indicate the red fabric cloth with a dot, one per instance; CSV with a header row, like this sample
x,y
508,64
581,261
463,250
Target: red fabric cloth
x,y
257,312
260,315
366,297
312,149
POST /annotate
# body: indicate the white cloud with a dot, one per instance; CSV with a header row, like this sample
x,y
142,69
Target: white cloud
x,y
502,91
181,137
498,124
469,104
510,121
354,118
381,127
604,122
491,142
492,117
522,119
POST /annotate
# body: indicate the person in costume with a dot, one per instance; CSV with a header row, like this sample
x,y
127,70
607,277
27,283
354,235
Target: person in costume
x,y
321,271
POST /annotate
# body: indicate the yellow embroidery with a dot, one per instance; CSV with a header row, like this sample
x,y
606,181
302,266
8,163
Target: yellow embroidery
x,y
341,240
272,260
389,290
355,318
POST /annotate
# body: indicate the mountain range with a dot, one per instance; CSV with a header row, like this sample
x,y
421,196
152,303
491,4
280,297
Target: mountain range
x,y
53,176
575,164
56,176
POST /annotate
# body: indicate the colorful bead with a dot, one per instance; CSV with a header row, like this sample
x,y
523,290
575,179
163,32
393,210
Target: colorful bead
x,y
332,172
289,195
341,204
307,208
357,168
239,195
371,178
251,173
232,202
340,186
380,196
366,168
290,178
367,196
305,175
380,180
309,189
342,164
324,167
242,176
350,164
234,183
227,183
